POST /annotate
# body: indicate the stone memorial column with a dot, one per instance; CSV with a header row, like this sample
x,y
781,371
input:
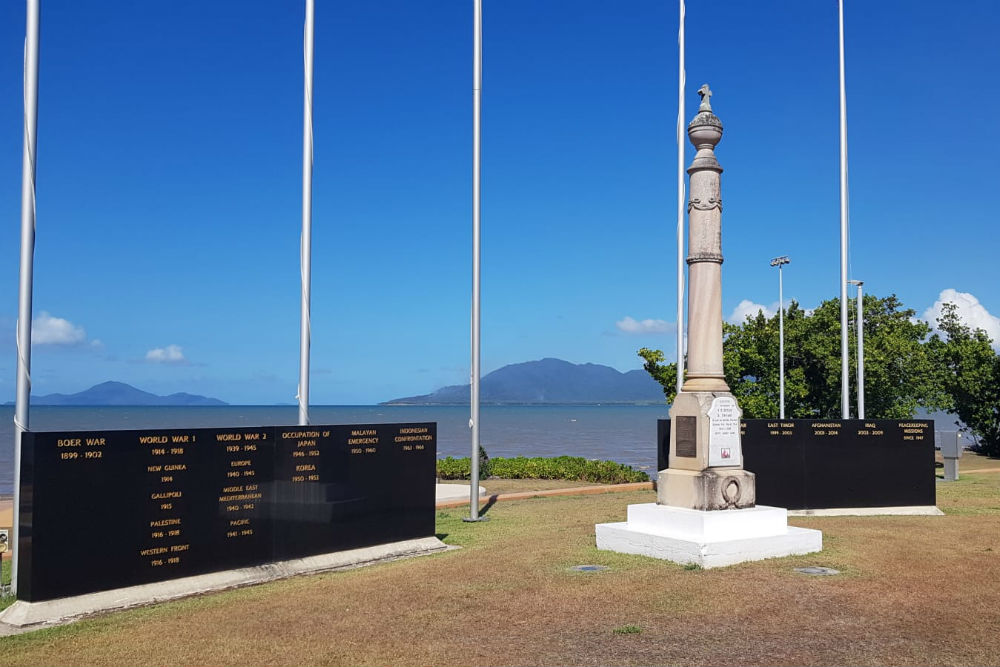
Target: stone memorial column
x,y
705,511
706,464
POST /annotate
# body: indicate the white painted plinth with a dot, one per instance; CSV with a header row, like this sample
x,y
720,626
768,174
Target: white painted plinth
x,y
709,539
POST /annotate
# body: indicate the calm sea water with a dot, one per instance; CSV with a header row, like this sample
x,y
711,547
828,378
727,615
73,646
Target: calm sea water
x,y
626,434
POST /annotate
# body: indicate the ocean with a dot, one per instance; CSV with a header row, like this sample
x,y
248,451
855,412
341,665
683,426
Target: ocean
x,y
622,433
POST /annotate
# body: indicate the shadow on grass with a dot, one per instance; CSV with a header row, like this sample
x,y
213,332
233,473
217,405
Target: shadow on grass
x,y
489,504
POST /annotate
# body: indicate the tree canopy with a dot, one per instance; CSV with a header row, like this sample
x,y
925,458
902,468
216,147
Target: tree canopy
x,y
969,372
906,367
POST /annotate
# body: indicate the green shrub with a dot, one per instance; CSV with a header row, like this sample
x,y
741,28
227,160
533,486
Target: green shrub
x,y
573,468
452,468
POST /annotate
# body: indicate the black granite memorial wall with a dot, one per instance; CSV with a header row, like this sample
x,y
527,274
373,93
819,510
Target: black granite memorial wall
x,y
820,464
106,509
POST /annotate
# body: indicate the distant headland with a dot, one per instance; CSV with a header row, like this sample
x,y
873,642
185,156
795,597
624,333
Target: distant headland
x,y
119,393
550,381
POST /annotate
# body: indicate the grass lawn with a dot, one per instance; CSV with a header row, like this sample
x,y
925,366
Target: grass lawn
x,y
912,590
500,486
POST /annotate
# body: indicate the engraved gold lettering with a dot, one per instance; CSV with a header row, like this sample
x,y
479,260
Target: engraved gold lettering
x,y
164,522
412,438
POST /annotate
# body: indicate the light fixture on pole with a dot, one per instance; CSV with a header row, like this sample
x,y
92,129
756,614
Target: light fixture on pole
x,y
780,262
861,349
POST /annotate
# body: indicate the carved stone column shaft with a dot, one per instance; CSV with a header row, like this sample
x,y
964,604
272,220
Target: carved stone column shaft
x,y
704,364
706,461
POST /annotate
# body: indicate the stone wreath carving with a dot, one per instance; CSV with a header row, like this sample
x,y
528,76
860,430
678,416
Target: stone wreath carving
x,y
695,202
730,494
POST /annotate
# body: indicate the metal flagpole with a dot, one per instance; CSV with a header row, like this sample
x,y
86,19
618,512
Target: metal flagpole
x,y
306,248
861,348
477,95
21,417
845,411
680,201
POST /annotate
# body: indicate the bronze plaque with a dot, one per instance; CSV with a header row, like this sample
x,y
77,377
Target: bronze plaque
x,y
687,437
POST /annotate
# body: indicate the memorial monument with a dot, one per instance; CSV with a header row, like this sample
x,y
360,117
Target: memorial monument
x,y
705,511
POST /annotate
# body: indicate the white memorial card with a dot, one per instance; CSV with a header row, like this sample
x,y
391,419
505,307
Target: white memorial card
x,y
724,433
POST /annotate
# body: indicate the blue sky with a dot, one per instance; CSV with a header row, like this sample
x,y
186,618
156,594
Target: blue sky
x,y
169,181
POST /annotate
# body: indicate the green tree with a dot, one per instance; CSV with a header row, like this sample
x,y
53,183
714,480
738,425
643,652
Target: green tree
x,y
969,371
899,371
665,374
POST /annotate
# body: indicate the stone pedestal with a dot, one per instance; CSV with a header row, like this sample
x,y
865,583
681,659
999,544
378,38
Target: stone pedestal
x,y
715,489
706,460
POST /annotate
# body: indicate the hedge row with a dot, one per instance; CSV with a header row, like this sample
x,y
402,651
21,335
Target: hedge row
x,y
575,468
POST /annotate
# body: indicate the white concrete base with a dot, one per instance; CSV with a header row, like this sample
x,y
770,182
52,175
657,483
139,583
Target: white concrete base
x,y
26,615
908,510
709,539
443,492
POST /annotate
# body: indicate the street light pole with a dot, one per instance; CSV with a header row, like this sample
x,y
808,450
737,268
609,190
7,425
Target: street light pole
x,y
780,262
861,349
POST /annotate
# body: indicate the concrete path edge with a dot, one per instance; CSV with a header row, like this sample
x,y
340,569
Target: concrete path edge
x,y
23,616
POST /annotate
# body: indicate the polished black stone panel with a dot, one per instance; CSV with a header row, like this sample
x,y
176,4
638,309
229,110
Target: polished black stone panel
x,y
108,509
816,464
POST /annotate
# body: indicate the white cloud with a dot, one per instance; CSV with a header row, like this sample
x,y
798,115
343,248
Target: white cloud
x,y
48,330
972,313
171,354
636,327
746,308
